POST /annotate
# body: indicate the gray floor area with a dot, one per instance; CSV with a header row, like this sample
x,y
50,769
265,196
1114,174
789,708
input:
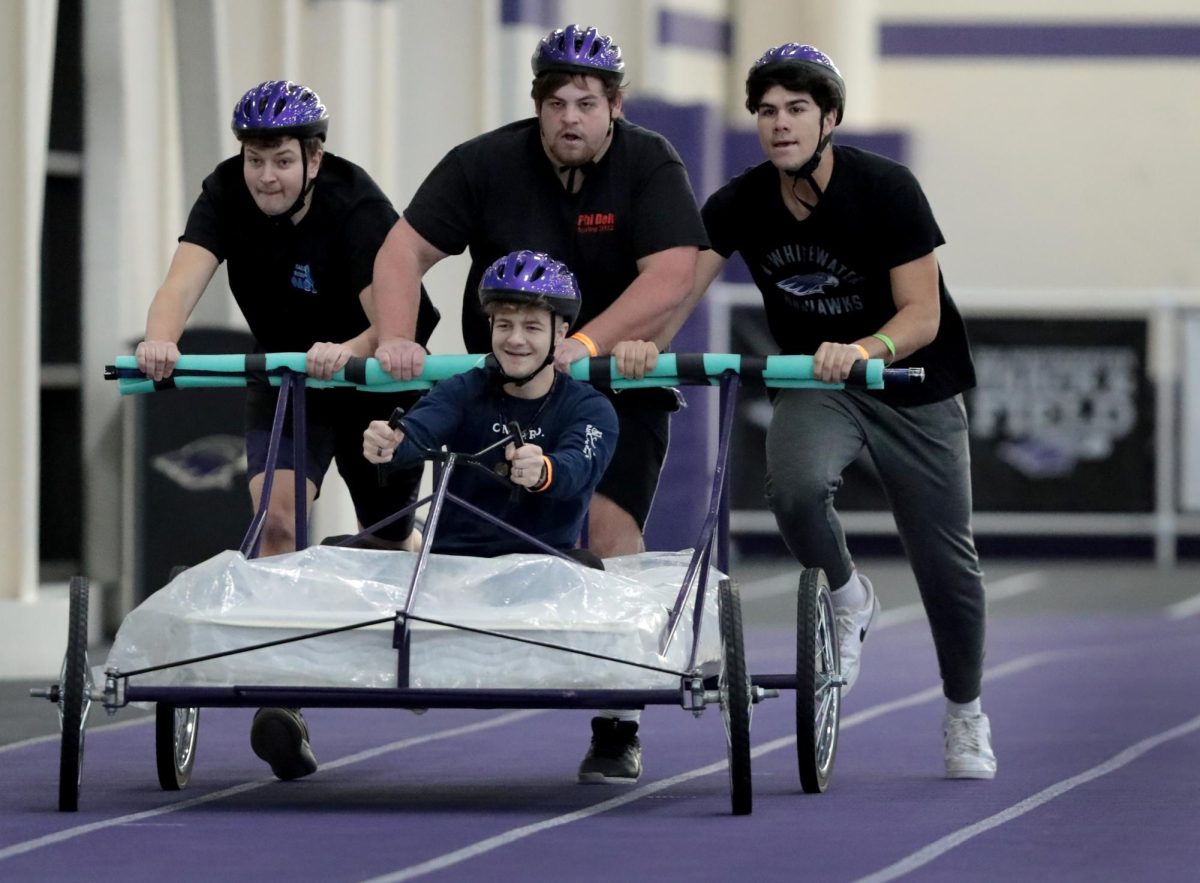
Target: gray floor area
x,y
1015,588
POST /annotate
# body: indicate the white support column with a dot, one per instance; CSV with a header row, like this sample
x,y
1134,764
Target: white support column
x,y
132,207
208,95
1165,330
27,44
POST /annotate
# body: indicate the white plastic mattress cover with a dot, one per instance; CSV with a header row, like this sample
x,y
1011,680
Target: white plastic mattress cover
x,y
230,602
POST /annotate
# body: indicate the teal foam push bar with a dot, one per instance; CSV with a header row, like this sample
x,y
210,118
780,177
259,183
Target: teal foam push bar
x,y
673,369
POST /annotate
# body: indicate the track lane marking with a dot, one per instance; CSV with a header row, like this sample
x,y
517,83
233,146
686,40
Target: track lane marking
x,y
1001,589
1183,609
955,839
489,844
99,728
80,830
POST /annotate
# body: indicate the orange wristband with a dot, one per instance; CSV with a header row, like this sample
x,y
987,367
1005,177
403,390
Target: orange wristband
x,y
586,341
862,349
549,467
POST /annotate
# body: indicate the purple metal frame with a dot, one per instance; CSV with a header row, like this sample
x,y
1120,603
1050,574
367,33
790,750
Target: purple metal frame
x,y
118,691
291,387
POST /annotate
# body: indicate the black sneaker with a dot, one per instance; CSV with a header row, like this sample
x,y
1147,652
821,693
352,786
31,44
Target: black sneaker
x,y
280,737
615,755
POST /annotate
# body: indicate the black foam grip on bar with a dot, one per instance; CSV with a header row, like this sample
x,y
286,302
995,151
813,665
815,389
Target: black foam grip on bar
x,y
858,375
599,373
256,368
356,370
752,369
165,383
689,368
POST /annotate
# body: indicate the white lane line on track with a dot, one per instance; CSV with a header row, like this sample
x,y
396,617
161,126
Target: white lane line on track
x,y
483,846
99,728
1185,608
80,830
939,847
1008,587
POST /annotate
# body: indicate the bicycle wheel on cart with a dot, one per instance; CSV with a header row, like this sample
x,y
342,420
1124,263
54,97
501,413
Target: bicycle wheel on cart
x,y
818,688
734,689
175,731
74,697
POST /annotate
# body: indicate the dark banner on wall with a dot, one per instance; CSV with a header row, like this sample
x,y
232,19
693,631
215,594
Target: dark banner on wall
x,y
1061,420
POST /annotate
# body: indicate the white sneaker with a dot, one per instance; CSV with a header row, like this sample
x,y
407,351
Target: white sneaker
x,y
968,746
852,628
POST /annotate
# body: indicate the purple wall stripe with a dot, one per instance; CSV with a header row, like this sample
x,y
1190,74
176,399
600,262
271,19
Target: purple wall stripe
x,y
1160,40
694,31
531,12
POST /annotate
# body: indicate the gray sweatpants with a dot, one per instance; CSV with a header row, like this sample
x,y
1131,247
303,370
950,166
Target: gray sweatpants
x,y
922,457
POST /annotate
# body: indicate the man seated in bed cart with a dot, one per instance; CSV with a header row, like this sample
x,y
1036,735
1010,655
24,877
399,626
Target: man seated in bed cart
x,y
570,432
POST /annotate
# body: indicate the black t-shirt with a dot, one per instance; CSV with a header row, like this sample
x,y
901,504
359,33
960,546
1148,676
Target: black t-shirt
x,y
298,284
499,192
827,277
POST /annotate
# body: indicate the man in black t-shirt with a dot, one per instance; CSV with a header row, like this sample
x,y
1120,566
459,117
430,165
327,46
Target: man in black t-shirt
x,y
609,199
840,243
299,229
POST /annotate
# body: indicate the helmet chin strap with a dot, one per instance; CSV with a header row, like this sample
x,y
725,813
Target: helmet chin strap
x,y
492,361
309,184
585,167
504,377
807,171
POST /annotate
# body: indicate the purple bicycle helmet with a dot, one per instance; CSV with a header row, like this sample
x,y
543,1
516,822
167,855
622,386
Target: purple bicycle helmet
x,y
283,108
532,277
806,57
577,50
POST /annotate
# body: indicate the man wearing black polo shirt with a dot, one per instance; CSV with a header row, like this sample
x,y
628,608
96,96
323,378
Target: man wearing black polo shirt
x,y
609,199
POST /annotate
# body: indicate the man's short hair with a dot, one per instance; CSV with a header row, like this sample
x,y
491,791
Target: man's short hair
x,y
550,82
793,78
310,146
491,308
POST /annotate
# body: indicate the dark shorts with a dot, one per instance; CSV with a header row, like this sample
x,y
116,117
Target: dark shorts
x,y
644,419
336,420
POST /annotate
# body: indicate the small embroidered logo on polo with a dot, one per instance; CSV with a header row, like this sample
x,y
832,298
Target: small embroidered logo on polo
x,y
302,279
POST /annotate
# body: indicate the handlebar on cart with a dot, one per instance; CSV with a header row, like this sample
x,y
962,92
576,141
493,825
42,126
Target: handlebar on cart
x,y
673,369
514,434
